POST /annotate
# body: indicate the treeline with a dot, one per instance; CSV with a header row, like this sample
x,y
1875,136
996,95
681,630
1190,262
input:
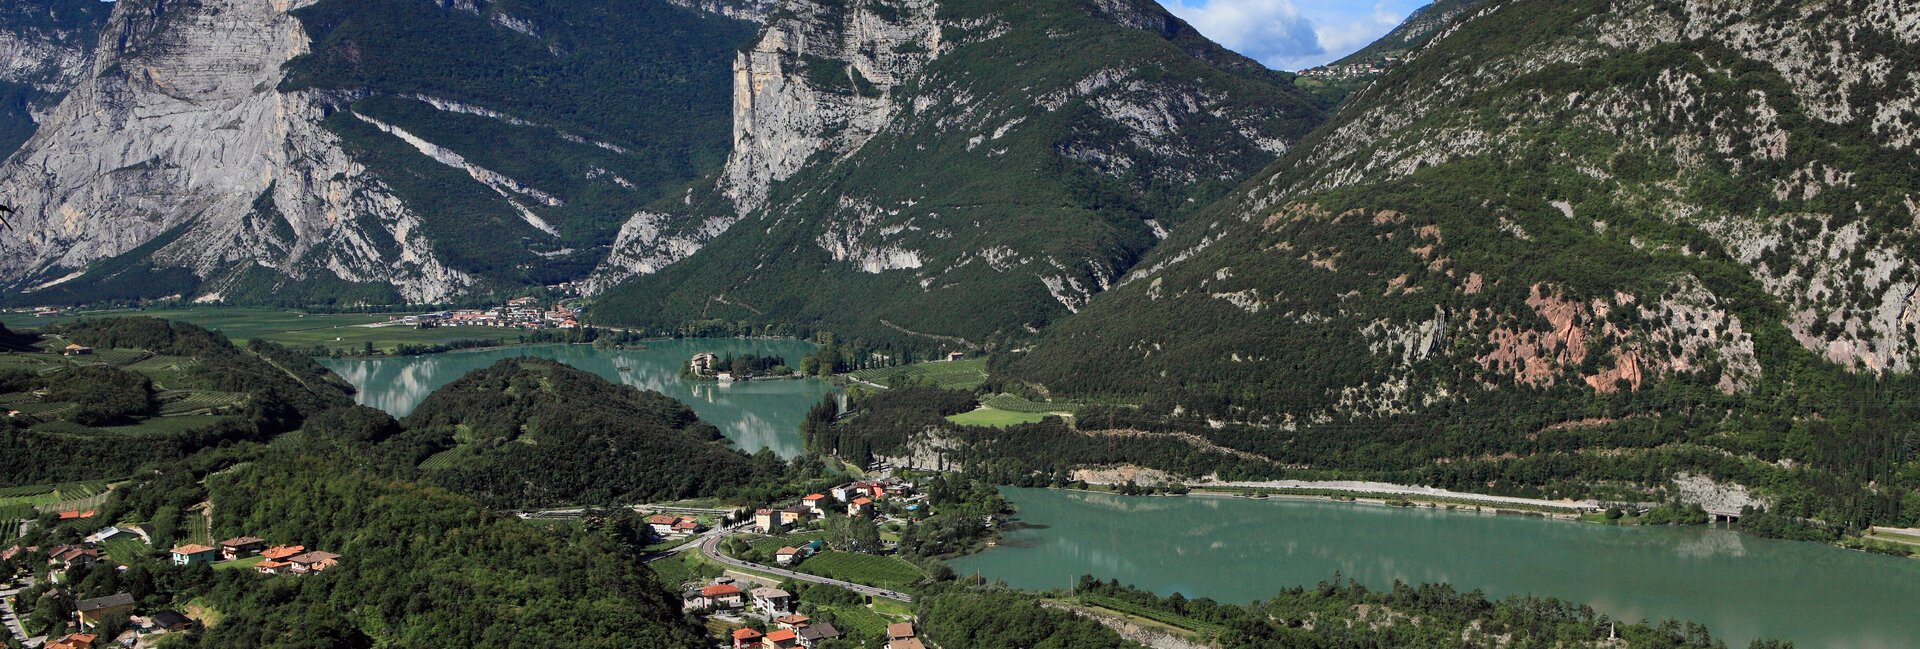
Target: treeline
x,y
1336,614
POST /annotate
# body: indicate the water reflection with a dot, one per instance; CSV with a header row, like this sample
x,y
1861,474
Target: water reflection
x,y
754,414
1239,550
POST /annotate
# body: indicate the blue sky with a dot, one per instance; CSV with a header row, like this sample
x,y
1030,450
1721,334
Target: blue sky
x,y
1293,34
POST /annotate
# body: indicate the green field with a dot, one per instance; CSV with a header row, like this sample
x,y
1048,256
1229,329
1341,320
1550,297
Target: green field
x,y
870,569
295,329
956,375
995,417
125,551
239,564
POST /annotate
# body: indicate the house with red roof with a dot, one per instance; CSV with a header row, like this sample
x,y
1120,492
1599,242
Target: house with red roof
x,y
861,506
744,638
781,639
813,503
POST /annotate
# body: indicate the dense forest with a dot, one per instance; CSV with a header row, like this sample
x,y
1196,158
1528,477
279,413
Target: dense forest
x,y
530,432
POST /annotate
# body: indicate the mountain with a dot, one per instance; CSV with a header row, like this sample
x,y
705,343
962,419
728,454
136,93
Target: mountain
x,y
955,172
1566,244
351,150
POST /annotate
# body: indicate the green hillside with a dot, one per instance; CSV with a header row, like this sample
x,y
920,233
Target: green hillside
x,y
531,432
1561,251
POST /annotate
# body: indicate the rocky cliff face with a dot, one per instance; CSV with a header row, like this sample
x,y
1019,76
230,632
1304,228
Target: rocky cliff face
x,y
176,142
959,168
356,150
816,85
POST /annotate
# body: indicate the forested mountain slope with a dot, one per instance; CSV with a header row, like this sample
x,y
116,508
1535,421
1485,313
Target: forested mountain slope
x,y
1567,241
954,169
351,150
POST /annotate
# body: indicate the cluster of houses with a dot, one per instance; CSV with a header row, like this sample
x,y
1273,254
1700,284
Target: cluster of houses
x,y
668,526
520,312
276,560
856,498
90,612
1356,70
786,629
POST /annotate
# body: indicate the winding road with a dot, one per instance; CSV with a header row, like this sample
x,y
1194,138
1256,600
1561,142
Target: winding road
x,y
711,548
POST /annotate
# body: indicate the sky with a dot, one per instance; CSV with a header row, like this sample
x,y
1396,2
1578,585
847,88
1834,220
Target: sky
x,y
1293,34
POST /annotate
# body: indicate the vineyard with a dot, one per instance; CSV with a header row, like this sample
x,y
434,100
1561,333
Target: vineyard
x,y
1015,403
197,402
21,504
872,569
952,375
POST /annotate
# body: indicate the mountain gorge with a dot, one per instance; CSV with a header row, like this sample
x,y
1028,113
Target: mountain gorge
x,y
955,169
1560,236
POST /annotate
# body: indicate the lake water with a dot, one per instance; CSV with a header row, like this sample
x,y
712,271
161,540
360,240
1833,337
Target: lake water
x,y
1239,550
754,414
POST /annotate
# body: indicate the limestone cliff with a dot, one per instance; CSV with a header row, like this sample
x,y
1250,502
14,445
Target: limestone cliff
x,y
960,168
177,141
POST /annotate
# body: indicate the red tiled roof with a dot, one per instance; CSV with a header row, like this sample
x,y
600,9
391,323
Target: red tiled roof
x,y
814,497
745,634
782,635
788,550
68,516
283,551
900,630
862,501
719,590
661,519
192,548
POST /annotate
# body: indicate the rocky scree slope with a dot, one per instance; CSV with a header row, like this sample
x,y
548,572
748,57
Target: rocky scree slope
x,y
357,151
1565,238
957,168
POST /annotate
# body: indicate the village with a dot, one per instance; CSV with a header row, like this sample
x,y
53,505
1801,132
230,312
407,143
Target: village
x,y
517,313
49,580
752,601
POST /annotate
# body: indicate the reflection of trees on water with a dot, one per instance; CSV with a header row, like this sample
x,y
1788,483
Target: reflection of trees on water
x,y
755,415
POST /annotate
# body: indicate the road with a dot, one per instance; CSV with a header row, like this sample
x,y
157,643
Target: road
x,y
13,621
710,546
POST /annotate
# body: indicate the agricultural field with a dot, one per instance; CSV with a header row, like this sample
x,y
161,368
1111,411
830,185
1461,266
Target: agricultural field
x,y
995,417
952,375
870,569
1016,403
21,504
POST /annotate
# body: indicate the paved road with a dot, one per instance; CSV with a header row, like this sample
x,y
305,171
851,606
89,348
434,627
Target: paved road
x,y
711,547
13,621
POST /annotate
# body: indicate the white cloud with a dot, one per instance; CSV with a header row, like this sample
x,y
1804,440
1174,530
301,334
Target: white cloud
x,y
1292,34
